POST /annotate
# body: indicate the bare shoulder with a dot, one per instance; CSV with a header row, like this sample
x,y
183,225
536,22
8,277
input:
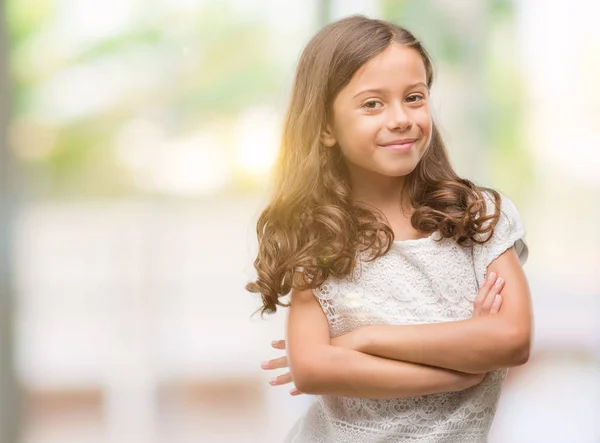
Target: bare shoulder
x,y
300,293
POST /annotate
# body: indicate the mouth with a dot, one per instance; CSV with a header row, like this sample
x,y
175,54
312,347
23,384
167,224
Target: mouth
x,y
400,145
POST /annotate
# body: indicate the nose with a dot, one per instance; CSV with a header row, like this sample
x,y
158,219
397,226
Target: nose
x,y
398,118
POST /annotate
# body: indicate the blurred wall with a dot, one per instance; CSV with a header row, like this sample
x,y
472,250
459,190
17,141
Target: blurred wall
x,y
144,134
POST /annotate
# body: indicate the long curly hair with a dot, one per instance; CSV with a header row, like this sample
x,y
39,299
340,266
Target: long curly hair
x,y
311,228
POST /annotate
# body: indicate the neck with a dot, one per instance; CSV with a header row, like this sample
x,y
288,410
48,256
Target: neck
x,y
385,193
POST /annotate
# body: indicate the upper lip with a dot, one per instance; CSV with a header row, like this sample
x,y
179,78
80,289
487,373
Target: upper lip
x,y
399,141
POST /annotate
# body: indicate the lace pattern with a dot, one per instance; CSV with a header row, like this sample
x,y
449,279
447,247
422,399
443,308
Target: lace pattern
x,y
427,280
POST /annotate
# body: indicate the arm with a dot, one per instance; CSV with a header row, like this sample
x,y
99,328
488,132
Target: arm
x,y
317,367
479,344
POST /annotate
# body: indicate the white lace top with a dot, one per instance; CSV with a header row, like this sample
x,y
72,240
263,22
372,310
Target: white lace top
x,y
417,281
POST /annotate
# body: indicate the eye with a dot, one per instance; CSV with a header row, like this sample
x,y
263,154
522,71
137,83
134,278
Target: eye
x,y
371,105
414,98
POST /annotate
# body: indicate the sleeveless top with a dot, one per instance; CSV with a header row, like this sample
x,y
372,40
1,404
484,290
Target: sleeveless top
x,y
416,282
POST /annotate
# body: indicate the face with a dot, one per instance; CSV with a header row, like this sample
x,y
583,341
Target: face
x,y
381,118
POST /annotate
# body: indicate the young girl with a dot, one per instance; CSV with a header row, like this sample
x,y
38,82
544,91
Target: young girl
x,y
385,251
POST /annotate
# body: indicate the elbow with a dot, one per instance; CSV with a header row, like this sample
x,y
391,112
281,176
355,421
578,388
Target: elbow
x,y
312,372
304,384
519,347
305,378
522,354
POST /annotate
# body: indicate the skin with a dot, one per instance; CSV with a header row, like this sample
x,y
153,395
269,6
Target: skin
x,y
473,346
487,302
386,100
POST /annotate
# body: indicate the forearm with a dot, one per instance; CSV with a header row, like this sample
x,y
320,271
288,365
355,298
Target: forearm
x,y
348,373
476,345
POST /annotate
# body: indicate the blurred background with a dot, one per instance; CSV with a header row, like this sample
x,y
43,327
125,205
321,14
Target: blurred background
x,y
136,142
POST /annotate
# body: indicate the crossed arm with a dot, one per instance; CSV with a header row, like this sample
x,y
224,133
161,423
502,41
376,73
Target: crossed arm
x,y
318,367
479,344
392,361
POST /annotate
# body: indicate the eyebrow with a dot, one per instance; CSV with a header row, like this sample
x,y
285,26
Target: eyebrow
x,y
381,91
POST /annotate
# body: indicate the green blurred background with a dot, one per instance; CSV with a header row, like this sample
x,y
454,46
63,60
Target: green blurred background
x,y
137,140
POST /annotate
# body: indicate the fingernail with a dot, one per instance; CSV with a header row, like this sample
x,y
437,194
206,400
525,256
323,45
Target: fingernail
x,y
294,392
272,381
264,364
499,281
274,343
492,276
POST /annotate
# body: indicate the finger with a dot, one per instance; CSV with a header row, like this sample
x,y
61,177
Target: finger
x,y
276,363
281,379
278,344
496,305
483,292
295,391
485,288
489,300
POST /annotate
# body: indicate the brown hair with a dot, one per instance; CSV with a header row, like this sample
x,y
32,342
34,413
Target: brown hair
x,y
311,221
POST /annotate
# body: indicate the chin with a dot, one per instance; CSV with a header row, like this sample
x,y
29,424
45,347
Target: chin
x,y
402,171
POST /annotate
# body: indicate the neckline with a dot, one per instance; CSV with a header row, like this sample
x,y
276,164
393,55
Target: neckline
x,y
411,241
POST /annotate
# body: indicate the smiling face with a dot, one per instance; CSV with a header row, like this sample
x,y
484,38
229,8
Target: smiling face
x,y
381,119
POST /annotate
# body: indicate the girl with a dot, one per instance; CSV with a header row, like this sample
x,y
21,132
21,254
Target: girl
x,y
385,251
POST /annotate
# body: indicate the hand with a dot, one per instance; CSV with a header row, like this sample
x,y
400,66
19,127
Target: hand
x,y
469,380
277,363
489,299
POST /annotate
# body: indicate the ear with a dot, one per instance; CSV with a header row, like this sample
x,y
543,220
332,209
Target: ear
x,y
327,137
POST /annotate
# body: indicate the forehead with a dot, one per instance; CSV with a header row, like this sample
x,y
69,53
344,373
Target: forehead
x,y
393,68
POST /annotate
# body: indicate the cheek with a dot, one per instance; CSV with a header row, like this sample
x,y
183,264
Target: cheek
x,y
423,120
422,117
355,130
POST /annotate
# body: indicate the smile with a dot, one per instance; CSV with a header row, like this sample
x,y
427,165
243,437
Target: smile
x,y
400,147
